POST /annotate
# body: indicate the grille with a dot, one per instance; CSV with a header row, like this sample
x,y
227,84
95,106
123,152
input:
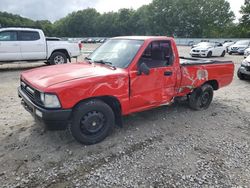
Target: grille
x,y
196,50
32,93
234,48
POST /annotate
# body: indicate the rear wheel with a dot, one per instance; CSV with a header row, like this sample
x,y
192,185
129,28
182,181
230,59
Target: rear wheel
x,y
201,98
240,75
92,122
58,58
209,54
223,54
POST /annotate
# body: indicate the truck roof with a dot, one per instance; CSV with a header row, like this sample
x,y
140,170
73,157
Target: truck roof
x,y
143,37
18,29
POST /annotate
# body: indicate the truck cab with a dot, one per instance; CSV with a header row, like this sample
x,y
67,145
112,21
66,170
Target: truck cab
x,y
123,76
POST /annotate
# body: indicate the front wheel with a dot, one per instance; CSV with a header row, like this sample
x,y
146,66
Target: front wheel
x,y
240,75
92,122
58,58
209,54
201,98
223,54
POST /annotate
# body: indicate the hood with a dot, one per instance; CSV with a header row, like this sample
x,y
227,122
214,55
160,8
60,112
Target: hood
x,y
238,46
202,47
51,75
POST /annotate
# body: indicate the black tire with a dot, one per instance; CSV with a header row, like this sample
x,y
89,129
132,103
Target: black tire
x,y
230,53
240,75
223,54
201,98
92,122
47,63
209,54
58,58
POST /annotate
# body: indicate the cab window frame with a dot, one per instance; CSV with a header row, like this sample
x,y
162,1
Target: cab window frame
x,y
166,61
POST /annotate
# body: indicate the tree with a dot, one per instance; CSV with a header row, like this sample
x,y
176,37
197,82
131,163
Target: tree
x,y
78,24
190,18
182,18
244,26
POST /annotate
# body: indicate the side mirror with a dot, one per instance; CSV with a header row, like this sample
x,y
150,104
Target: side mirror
x,y
143,68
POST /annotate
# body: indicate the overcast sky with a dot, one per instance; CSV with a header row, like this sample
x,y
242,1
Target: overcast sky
x,y
55,9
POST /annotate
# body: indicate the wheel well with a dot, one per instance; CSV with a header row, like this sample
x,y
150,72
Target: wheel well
x,y
62,51
113,103
213,83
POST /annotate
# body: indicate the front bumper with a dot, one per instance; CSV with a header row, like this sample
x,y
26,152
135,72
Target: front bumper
x,y
244,70
52,119
199,54
236,51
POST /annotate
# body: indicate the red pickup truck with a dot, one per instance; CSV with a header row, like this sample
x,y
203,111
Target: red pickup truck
x,y
122,76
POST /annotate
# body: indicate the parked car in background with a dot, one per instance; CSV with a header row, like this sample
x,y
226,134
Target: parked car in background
x,y
200,43
244,70
103,40
247,52
208,49
191,43
239,47
228,43
91,97
25,44
90,40
85,40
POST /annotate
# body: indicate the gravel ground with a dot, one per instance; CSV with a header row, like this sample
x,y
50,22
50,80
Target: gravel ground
x,y
171,146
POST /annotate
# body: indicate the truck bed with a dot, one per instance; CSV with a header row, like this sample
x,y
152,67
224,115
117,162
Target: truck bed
x,y
196,72
186,61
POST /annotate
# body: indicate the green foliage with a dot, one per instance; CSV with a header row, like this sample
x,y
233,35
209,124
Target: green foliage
x,y
244,26
181,18
11,20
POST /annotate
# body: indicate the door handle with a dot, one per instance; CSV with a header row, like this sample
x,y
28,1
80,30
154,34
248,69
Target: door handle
x,y
168,73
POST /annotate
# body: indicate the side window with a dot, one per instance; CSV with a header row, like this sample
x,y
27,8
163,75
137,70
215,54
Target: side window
x,y
8,36
157,54
29,36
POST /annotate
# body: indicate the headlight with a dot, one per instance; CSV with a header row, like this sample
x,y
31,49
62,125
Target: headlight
x,y
50,100
245,63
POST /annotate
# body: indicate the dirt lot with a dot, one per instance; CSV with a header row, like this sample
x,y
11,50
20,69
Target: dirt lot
x,y
165,147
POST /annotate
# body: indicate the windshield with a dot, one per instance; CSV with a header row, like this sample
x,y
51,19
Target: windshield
x,y
243,42
117,52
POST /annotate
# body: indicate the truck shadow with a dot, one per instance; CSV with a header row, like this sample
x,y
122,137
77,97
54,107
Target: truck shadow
x,y
143,123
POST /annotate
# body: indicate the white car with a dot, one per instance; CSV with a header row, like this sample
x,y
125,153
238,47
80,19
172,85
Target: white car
x,y
247,52
239,47
25,44
227,44
208,49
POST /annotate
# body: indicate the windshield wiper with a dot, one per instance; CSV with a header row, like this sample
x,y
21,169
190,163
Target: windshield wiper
x,y
88,59
105,63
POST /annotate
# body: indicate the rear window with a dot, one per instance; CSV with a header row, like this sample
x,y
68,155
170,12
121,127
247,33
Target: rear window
x,y
29,36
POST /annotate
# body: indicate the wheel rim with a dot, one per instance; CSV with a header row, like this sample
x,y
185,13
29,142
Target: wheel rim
x,y
205,99
59,59
92,122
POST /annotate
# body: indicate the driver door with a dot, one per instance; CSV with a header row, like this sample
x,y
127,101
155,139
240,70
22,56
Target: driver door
x,y
157,87
218,49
